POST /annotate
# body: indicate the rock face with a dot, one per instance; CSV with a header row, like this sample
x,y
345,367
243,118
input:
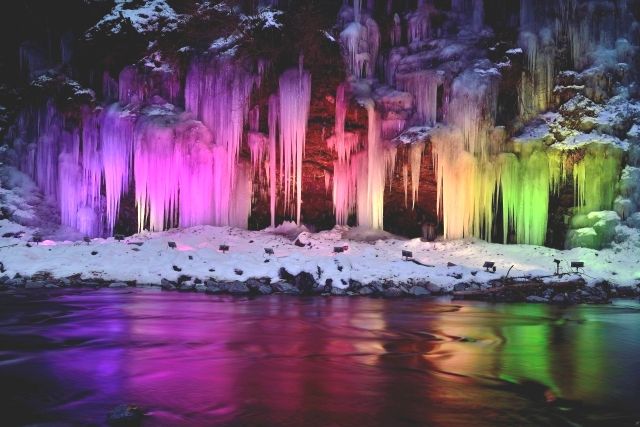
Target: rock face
x,y
434,107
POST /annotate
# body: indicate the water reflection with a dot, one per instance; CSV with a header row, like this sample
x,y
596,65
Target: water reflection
x,y
201,360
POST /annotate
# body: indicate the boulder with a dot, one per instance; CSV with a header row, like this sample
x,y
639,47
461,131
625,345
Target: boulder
x,y
305,283
264,289
118,285
536,299
419,291
35,284
339,292
201,287
167,285
366,290
393,292
213,288
238,288
285,288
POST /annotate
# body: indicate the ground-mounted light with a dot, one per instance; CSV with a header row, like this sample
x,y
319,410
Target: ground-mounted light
x,y
557,262
577,265
338,249
268,251
172,245
407,255
223,248
86,239
489,266
119,237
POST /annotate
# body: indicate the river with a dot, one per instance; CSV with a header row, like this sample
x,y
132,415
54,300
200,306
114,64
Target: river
x,y
192,359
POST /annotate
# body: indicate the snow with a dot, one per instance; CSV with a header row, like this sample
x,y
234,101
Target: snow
x,y
149,17
197,255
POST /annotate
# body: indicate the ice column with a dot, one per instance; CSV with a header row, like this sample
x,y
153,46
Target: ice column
x,y
295,99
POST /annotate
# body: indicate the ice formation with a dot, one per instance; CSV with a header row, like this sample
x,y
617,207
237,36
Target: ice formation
x,y
428,70
295,97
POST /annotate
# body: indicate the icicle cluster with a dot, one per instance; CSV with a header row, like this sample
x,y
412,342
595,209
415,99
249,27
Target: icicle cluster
x,y
295,98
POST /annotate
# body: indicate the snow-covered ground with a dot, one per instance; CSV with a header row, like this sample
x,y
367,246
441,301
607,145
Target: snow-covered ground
x,y
197,254
370,256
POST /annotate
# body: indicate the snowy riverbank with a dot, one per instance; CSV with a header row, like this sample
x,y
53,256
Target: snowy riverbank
x,y
147,258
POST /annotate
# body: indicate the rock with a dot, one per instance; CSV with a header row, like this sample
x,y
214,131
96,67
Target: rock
x,y
366,290
118,285
213,288
536,299
167,285
253,284
125,415
238,288
34,284
238,271
460,287
285,288
305,283
338,292
183,278
4,279
377,287
187,286
264,290
393,292
419,291
15,283
51,286
200,287
285,275
559,299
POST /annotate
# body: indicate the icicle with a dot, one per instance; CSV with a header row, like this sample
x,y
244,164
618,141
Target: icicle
x,y
156,184
295,99
241,200
466,186
371,176
415,160
396,31
595,177
116,133
423,85
345,175
537,87
274,108
405,183
473,108
524,186
193,160
218,92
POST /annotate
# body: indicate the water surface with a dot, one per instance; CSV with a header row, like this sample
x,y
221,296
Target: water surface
x,y
192,359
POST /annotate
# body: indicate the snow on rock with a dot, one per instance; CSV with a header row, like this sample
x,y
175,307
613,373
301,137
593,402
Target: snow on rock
x,y
144,17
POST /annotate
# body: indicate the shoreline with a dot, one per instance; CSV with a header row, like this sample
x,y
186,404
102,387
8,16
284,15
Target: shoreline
x,y
573,290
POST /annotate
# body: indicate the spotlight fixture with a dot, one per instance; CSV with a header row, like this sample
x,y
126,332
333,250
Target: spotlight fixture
x,y
338,249
172,245
557,261
119,237
407,255
268,251
36,238
86,239
577,265
489,266
223,248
